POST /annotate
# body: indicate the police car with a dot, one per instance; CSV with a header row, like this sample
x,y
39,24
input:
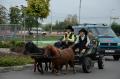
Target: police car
x,y
108,42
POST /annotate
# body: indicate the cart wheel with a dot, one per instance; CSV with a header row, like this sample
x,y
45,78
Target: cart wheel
x,y
100,63
87,65
116,57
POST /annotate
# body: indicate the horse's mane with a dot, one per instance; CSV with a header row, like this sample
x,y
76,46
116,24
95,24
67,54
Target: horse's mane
x,y
53,49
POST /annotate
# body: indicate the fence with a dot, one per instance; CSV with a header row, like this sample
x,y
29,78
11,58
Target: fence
x,y
17,32
10,31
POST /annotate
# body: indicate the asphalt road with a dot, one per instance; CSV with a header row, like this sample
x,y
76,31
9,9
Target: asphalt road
x,y
110,71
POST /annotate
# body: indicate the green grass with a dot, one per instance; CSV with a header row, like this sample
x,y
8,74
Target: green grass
x,y
43,43
49,38
12,60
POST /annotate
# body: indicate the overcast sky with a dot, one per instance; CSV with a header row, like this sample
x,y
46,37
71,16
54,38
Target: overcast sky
x,y
92,11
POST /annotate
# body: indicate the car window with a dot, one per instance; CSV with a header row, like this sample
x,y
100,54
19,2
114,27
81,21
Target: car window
x,y
97,30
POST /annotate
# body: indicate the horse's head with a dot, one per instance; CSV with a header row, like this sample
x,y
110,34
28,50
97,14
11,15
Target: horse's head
x,y
50,50
30,47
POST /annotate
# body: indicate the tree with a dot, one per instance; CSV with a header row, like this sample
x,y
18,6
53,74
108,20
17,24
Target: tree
x,y
3,13
116,27
27,20
30,22
38,8
71,20
15,15
46,27
60,26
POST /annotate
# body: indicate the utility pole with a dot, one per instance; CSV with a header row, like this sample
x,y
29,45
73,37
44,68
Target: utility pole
x,y
79,10
24,26
51,20
24,17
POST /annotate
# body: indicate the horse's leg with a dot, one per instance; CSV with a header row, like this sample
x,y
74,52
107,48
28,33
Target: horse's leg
x,y
56,69
41,68
46,66
34,67
53,69
38,68
66,68
35,64
71,63
74,68
60,68
50,65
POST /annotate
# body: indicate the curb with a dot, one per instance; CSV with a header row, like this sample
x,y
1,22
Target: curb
x,y
16,68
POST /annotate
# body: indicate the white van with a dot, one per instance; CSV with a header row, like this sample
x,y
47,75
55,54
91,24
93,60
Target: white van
x,y
38,30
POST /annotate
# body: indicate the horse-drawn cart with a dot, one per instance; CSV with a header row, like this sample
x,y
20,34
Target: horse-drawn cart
x,y
88,59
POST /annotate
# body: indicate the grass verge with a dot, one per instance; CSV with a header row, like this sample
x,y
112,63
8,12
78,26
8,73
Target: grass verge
x,y
13,60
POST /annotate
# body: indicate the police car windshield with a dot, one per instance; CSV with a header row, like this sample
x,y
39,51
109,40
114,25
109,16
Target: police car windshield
x,y
102,31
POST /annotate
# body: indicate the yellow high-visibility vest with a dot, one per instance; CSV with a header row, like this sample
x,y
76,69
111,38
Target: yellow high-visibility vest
x,y
69,37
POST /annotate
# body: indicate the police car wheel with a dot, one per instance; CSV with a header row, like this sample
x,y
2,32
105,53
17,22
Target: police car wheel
x,y
100,64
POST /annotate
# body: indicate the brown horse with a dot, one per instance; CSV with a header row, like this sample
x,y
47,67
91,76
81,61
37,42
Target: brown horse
x,y
60,57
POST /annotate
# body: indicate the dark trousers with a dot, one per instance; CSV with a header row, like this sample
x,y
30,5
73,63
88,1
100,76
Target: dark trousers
x,y
79,46
63,44
67,44
58,44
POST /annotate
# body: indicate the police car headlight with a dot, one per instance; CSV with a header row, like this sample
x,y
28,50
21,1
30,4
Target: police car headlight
x,y
118,44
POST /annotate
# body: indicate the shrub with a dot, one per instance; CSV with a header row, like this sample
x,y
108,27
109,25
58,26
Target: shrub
x,y
19,44
11,44
4,44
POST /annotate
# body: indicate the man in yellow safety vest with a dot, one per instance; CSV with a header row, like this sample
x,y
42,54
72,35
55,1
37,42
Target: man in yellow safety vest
x,y
69,37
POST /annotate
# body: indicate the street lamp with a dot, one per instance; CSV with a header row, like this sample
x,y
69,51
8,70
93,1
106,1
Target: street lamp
x,y
79,10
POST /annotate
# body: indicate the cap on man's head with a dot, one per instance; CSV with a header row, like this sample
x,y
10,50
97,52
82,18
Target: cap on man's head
x,y
83,30
70,28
